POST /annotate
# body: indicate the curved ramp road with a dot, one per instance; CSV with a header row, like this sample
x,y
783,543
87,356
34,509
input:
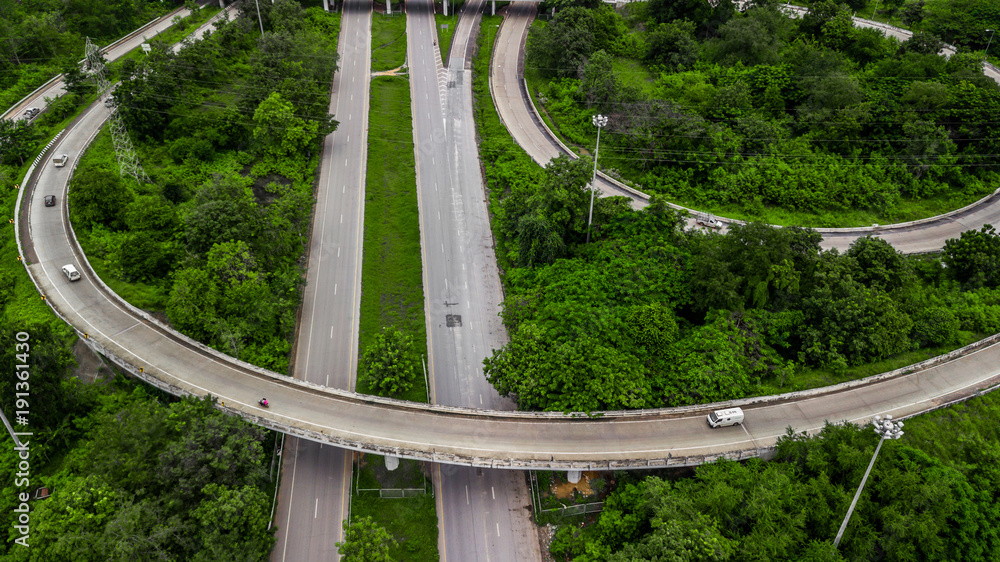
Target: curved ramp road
x,y
519,116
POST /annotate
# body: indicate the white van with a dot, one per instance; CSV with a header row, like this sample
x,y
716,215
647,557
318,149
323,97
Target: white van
x,y
60,160
69,270
730,416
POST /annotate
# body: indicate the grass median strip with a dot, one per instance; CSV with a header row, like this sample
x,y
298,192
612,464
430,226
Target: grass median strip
x,y
391,284
388,42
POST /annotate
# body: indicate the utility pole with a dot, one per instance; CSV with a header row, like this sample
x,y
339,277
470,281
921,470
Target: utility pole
x,y
599,121
886,429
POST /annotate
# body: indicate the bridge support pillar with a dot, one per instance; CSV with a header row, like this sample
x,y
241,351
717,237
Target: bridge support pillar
x,y
444,6
391,463
573,475
494,3
326,6
388,12
222,4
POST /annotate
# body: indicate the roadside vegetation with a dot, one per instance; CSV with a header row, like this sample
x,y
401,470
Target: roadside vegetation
x,y
649,315
42,40
930,496
133,474
760,116
228,130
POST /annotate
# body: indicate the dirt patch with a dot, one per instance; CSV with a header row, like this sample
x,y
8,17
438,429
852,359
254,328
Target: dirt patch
x,y
566,489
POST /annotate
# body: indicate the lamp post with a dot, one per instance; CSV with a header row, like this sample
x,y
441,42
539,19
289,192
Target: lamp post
x,y
599,122
886,429
875,12
988,43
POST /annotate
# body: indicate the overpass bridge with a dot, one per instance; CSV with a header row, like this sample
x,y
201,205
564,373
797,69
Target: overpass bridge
x,y
150,350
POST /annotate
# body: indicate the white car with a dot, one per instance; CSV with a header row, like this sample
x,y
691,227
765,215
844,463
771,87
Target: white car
x,y
69,270
31,112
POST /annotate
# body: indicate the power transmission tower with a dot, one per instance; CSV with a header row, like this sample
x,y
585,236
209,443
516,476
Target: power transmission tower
x,y
128,162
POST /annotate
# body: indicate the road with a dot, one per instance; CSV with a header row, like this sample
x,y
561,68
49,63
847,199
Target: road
x,y
522,121
314,497
482,514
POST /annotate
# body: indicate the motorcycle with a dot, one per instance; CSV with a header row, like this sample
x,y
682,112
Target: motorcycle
x,y
263,402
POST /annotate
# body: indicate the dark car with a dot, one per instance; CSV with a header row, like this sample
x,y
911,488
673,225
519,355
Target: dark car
x,y
50,200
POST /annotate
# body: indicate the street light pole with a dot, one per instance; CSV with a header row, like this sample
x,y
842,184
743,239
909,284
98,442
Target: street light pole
x,y
886,429
599,122
988,43
875,13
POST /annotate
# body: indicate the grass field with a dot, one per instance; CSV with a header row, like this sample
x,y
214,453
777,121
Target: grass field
x,y
388,41
411,521
392,283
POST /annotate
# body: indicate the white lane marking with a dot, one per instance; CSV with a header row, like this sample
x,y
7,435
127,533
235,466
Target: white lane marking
x,y
341,218
466,494
348,139
335,288
493,492
316,509
480,399
498,529
446,283
439,215
331,332
466,284
442,247
338,252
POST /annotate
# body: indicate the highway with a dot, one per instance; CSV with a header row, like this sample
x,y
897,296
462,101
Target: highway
x,y
314,496
482,514
521,119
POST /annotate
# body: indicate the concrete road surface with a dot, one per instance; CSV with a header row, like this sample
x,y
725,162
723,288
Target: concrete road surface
x,y
482,514
315,488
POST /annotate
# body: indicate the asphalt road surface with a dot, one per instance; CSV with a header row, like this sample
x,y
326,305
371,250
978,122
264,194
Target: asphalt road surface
x,y
314,497
482,514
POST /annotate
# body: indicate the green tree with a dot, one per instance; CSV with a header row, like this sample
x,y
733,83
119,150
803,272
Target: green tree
x,y
18,141
233,523
672,45
877,264
365,541
191,307
599,83
974,257
389,364
99,196
279,133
